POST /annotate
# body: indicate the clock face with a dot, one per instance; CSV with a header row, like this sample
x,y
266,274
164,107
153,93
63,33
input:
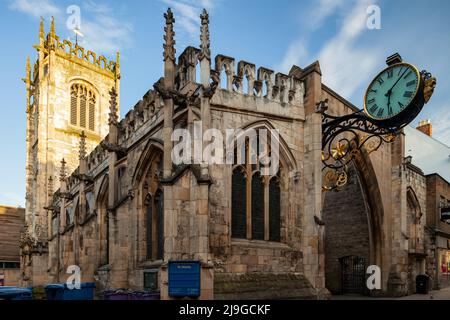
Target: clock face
x,y
392,91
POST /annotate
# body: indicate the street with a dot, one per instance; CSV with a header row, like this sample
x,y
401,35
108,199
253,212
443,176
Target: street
x,y
442,294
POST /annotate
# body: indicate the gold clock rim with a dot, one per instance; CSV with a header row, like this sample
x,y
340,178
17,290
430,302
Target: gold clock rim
x,y
382,71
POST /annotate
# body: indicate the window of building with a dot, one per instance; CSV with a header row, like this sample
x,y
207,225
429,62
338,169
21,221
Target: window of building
x,y
82,106
153,212
274,209
444,206
54,230
121,182
70,213
9,265
239,204
155,226
256,200
89,202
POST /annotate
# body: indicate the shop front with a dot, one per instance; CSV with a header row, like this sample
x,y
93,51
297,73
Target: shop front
x,y
443,261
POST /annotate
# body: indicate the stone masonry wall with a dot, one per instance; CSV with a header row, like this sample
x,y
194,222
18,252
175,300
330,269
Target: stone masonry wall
x,y
346,229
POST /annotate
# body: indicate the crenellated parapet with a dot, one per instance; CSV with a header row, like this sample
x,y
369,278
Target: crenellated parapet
x,y
96,157
144,113
73,51
186,68
76,51
262,82
245,70
226,64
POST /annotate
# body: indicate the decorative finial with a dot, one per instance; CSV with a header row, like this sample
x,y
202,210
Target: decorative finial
x,y
204,36
82,151
113,118
62,174
169,45
28,71
52,35
52,28
117,67
41,29
50,186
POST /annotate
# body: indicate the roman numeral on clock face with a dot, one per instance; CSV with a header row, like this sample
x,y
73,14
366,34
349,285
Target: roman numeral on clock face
x,y
371,101
380,112
408,94
380,81
390,73
401,105
411,83
373,108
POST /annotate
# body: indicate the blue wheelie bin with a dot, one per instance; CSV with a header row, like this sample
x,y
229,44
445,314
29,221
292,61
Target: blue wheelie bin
x,y
60,291
15,293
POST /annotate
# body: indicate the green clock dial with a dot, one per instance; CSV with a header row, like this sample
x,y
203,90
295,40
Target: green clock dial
x,y
392,91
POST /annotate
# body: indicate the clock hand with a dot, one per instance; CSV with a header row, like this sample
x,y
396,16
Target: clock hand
x,y
390,90
389,99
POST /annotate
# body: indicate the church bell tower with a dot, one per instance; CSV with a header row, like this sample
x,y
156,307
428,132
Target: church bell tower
x,y
67,95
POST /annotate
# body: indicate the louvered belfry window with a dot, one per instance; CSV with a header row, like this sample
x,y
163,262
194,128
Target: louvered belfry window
x,y
255,202
82,106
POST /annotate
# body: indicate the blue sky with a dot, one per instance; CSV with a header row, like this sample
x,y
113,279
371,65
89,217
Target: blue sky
x,y
273,34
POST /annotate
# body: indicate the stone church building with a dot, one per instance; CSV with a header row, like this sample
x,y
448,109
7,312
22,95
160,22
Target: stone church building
x,y
105,195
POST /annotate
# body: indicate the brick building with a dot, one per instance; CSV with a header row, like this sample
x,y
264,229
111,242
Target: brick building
x,y
438,221
433,157
11,225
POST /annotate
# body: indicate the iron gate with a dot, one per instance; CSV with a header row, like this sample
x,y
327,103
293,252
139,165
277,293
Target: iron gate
x,y
353,274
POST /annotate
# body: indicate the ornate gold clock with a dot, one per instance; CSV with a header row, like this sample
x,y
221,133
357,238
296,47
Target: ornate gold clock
x,y
396,95
392,100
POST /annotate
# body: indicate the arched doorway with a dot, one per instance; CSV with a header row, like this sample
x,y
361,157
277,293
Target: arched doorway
x,y
353,234
347,237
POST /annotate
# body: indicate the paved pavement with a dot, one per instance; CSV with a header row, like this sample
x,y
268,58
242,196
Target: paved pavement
x,y
443,294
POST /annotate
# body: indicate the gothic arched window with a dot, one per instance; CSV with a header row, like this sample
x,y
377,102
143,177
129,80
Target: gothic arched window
x,y
149,227
256,196
159,206
257,207
274,209
239,204
153,213
154,226
82,106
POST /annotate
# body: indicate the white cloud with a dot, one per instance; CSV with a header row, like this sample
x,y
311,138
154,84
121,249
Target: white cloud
x,y
187,17
440,119
296,54
323,9
345,64
103,32
94,7
35,8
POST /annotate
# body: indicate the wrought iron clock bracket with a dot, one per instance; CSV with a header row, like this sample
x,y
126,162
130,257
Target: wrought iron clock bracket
x,y
347,137
343,140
